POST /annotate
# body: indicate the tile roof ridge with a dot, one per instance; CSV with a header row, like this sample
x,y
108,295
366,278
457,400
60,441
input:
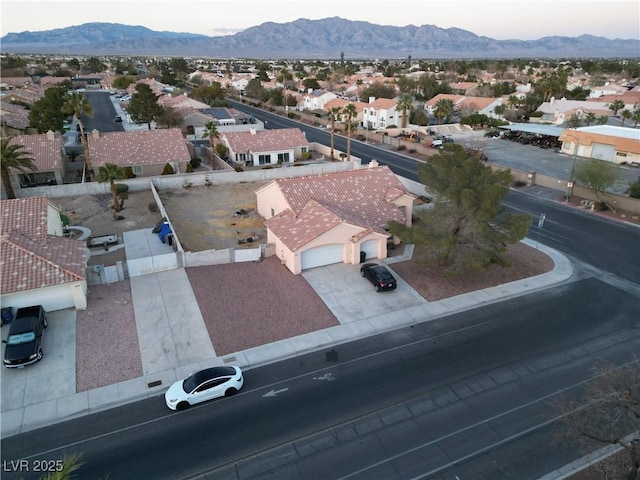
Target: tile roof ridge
x,y
41,257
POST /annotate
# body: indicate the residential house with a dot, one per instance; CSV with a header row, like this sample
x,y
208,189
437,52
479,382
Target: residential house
x,y
466,105
39,266
604,142
607,89
381,113
46,150
15,118
341,103
331,218
265,147
146,152
315,100
557,112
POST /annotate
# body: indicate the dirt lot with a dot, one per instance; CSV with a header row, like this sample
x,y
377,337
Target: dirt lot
x,y
205,217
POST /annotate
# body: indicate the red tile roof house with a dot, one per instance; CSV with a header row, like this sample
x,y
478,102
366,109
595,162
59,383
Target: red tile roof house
x,y
47,152
331,218
381,113
38,265
145,151
265,147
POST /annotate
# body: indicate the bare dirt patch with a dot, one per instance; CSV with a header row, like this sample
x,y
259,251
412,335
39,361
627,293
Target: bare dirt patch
x,y
433,284
206,218
94,212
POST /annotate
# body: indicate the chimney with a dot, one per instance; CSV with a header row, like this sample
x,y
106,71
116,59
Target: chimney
x,y
50,135
95,133
372,99
252,131
553,99
373,163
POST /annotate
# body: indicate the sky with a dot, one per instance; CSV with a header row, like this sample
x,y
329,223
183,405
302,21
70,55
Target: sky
x,y
499,19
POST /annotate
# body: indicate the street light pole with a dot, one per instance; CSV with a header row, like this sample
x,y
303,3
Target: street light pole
x,y
574,154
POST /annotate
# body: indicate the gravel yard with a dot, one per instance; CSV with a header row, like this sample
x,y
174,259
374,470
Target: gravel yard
x,y
249,304
107,350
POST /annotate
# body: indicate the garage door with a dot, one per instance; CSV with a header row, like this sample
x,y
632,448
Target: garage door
x,y
316,257
603,152
370,247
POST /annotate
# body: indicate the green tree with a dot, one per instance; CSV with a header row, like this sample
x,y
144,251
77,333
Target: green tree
x,y
615,106
467,228
311,83
405,104
77,104
46,114
350,113
334,114
13,157
598,176
144,107
170,118
635,116
377,91
123,82
207,93
94,65
109,173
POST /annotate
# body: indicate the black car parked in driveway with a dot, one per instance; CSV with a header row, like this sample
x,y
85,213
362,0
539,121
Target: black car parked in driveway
x,y
379,276
24,343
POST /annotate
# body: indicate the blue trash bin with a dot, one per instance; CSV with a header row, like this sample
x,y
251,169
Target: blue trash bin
x,y
6,315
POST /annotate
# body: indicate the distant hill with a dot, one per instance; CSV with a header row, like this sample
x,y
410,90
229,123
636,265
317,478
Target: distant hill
x,y
302,38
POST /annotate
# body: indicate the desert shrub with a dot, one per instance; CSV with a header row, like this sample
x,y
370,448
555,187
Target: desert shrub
x,y
64,219
267,167
401,147
167,170
305,155
238,168
153,207
634,189
412,150
121,188
189,168
195,162
222,151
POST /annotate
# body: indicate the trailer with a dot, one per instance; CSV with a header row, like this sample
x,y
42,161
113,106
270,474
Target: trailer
x,y
103,240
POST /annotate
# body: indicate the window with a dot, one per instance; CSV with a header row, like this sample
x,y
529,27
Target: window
x,y
241,157
283,157
264,159
137,169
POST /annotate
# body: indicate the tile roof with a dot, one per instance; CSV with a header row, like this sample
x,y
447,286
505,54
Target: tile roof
x,y
318,203
44,148
15,116
26,215
383,103
28,263
138,147
266,140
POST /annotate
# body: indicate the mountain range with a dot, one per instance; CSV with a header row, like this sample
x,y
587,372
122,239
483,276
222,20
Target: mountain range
x,y
311,39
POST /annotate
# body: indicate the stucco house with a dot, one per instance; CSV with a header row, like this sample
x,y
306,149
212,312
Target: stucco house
x,y
265,147
46,150
145,151
39,266
381,113
604,142
331,218
315,100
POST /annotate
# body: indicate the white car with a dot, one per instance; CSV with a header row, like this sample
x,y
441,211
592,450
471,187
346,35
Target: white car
x,y
204,385
126,98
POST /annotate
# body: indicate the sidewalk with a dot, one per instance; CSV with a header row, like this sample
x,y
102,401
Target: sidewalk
x,y
166,325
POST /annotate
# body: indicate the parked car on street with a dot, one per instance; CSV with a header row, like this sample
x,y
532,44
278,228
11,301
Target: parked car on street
x,y
379,276
204,385
24,342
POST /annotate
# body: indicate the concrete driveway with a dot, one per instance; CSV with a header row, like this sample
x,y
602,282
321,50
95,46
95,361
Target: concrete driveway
x,y
52,378
351,298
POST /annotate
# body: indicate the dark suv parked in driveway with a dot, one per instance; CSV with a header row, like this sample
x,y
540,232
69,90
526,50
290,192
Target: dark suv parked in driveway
x,y
24,343
379,276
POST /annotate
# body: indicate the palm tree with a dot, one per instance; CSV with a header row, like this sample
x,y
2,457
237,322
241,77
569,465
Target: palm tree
x,y
635,116
444,109
13,157
333,115
625,115
405,104
76,105
350,112
68,465
589,118
615,106
110,173
212,132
